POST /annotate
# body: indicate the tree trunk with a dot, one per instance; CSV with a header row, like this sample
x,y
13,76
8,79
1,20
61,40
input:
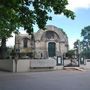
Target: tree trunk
x,y
3,48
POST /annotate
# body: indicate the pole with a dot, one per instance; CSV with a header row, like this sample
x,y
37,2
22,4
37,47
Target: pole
x,y
63,60
78,53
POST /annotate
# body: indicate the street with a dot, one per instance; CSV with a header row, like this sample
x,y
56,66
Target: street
x,y
53,80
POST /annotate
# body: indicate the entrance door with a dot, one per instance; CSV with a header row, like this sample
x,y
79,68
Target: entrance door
x,y
51,49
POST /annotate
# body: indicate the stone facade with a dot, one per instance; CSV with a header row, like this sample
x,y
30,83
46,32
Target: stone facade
x,y
45,43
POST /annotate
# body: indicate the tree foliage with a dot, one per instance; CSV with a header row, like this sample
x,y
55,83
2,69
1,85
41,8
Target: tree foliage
x,y
70,54
76,44
86,34
86,41
26,13
86,37
86,53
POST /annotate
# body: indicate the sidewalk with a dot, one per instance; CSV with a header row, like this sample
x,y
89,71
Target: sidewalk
x,y
74,68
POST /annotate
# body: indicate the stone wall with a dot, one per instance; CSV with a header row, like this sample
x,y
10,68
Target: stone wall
x,y
6,65
43,63
25,65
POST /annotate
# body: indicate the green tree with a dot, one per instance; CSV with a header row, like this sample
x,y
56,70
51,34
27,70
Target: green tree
x,y
32,12
78,46
8,24
70,55
85,33
86,36
26,13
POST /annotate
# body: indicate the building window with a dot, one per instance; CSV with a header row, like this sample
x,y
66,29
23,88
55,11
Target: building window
x,y
50,35
25,42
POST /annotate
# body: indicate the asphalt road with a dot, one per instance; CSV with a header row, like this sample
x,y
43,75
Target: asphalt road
x,y
53,80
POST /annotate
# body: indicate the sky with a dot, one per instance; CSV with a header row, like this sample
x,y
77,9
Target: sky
x,y
72,28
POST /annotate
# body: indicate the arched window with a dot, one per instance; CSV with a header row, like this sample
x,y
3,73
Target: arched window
x,y
50,35
25,42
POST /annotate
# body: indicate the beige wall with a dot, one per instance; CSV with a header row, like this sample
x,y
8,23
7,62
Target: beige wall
x,y
63,48
43,63
9,65
23,65
6,65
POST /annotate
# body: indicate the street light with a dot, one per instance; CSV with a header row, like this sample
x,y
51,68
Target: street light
x,y
79,51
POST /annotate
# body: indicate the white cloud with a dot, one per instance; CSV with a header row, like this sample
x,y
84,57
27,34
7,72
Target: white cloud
x,y
76,4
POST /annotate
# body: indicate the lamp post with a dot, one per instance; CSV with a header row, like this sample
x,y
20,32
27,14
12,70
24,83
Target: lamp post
x,y
79,51
17,50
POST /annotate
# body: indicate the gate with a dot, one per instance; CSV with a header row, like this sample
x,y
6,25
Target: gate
x,y
70,62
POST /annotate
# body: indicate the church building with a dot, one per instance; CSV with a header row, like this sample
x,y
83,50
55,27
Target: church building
x,y
43,44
